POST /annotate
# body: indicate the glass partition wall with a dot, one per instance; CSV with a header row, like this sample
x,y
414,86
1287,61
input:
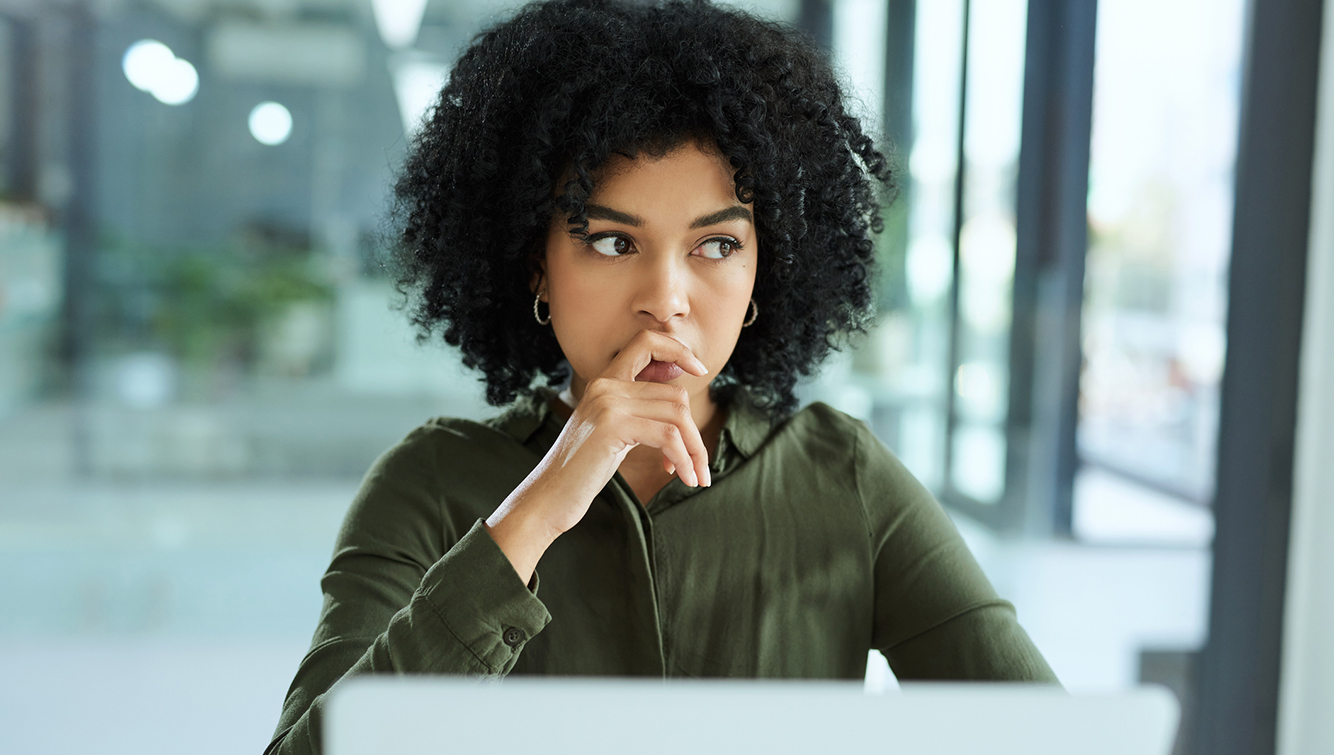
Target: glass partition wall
x,y
985,242
1061,397
933,378
1164,144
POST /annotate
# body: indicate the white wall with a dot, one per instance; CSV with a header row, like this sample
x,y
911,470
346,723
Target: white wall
x,y
1306,697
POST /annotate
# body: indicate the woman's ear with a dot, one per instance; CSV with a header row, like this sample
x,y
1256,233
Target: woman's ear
x,y
538,276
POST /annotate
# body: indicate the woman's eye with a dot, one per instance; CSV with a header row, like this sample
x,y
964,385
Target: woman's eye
x,y
719,249
611,246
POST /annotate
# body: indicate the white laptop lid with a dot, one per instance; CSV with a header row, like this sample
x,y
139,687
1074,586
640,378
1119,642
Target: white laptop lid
x,y
417,715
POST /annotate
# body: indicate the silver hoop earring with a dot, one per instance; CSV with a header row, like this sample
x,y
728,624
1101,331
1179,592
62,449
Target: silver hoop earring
x,y
755,312
540,321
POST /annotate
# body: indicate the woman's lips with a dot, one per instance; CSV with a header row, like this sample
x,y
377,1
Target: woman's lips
x,y
659,372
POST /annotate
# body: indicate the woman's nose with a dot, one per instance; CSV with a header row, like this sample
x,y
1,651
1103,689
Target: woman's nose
x,y
663,288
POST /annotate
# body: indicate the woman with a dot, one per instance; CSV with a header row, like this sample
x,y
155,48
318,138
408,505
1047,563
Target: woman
x,y
670,208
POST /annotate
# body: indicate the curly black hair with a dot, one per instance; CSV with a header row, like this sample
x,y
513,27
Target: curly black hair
x,y
551,94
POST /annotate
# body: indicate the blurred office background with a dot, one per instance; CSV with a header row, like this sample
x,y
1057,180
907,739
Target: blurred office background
x,y
199,357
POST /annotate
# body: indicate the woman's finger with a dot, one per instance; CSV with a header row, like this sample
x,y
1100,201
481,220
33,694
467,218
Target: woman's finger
x,y
664,436
676,412
650,346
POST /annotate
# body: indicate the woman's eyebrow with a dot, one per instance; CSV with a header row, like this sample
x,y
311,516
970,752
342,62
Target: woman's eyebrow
x,y
735,212
598,212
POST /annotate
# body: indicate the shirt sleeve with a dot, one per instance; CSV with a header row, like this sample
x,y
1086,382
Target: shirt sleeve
x,y
405,594
936,615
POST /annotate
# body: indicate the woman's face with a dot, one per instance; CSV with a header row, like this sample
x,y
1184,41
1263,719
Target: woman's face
x,y
669,248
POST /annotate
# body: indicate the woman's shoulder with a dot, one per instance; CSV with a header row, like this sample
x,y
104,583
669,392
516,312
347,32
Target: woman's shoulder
x,y
829,435
820,424
813,449
460,442
447,466
457,434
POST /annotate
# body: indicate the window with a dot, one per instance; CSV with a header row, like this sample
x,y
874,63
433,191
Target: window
x,y
1165,114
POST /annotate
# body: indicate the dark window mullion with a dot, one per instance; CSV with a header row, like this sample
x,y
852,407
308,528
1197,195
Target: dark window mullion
x,y
960,178
1237,683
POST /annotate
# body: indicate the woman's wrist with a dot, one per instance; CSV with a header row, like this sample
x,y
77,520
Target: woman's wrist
x,y
522,532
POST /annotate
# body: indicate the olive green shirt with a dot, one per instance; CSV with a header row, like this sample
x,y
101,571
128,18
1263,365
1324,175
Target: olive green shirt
x,y
813,545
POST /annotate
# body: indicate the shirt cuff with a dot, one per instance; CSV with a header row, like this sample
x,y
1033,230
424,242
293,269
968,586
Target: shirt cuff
x,y
476,593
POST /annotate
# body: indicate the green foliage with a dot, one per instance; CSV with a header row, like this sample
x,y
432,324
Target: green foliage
x,y
205,304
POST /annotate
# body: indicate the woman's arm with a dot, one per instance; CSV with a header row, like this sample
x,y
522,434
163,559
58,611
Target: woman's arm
x,y
393,604
936,614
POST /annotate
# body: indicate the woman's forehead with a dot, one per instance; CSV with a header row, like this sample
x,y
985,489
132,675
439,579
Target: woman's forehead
x,y
687,180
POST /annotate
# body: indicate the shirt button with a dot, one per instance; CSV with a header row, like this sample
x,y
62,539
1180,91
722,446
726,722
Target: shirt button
x,y
513,636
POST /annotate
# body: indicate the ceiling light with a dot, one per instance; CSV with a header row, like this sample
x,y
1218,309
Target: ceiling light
x,y
152,67
270,123
144,61
177,84
398,21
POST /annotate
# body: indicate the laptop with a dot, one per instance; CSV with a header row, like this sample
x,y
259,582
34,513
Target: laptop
x,y
417,715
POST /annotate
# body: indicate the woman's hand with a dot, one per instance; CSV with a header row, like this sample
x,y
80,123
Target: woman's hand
x,y
615,414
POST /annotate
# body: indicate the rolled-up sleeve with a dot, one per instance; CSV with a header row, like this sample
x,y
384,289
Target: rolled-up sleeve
x,y
405,594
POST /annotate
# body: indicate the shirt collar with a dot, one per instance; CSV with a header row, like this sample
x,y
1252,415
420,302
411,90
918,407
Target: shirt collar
x,y
746,426
522,419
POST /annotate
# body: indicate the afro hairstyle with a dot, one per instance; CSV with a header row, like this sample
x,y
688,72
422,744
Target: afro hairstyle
x,y
549,95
